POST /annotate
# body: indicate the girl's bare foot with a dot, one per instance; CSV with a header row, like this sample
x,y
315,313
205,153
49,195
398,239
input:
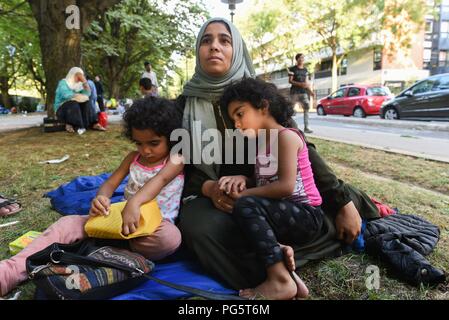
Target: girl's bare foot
x,y
301,289
289,257
279,285
290,263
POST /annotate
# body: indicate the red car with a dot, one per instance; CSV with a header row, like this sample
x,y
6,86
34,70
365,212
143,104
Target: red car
x,y
356,100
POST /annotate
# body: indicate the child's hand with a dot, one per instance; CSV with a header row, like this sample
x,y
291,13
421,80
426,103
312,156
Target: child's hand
x,y
236,195
232,184
131,218
100,206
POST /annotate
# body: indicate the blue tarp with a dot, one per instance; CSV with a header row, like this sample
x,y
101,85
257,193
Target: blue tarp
x,y
75,198
183,272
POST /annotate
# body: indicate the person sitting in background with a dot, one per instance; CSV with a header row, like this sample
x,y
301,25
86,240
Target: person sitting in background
x,y
150,74
72,105
147,88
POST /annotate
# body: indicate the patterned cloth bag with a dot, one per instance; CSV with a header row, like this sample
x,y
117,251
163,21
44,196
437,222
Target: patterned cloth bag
x,y
91,270
85,271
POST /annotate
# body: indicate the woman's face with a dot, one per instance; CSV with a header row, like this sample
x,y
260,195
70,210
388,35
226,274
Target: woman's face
x,y
215,52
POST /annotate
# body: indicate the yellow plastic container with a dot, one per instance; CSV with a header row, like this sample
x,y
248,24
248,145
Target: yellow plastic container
x,y
110,226
20,243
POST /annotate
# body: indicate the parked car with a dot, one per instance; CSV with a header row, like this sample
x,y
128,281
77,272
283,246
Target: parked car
x,y
3,110
427,99
356,100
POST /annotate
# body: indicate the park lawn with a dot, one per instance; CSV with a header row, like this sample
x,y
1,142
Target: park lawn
x,y
420,172
341,278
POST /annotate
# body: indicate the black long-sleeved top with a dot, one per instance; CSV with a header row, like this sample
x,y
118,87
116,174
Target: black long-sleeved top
x,y
99,88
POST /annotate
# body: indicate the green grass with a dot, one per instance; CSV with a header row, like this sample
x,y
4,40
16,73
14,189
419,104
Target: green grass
x,y
341,278
420,172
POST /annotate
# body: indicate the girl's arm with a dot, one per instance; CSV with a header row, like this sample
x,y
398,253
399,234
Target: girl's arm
x,y
289,146
149,191
101,203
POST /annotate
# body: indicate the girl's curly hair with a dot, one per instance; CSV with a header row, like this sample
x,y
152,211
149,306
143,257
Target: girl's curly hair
x,y
157,114
255,91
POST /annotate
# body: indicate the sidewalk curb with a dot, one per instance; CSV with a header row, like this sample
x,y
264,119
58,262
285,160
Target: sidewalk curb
x,y
385,149
417,125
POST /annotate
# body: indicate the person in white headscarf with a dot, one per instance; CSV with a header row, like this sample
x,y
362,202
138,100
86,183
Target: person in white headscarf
x,y
72,105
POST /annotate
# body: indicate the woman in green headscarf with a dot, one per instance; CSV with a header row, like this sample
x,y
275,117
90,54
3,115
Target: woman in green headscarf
x,y
207,226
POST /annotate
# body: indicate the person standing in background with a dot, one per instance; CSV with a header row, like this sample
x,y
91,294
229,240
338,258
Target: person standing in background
x,y
99,88
93,95
301,89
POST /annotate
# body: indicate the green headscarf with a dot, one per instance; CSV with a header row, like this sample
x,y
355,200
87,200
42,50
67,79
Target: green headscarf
x,y
202,90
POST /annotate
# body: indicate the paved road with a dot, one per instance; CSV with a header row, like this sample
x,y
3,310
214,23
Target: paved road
x,y
425,139
15,122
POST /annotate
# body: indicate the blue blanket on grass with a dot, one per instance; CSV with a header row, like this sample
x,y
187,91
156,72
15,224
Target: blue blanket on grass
x,y
76,196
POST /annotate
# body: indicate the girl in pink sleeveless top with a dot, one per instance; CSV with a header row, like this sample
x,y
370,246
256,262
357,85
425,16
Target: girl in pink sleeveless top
x,y
280,207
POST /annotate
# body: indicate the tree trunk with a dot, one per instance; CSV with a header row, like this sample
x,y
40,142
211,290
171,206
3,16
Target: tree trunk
x,y
60,46
115,90
334,70
113,80
4,88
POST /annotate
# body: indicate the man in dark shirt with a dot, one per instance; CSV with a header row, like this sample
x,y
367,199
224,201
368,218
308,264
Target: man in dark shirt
x,y
99,88
301,89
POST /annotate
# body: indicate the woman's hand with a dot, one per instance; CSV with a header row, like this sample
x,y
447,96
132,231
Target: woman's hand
x,y
221,201
81,77
348,223
232,184
100,206
131,218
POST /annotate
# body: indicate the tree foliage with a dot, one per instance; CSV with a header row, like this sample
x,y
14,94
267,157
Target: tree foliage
x,y
400,20
328,28
18,29
117,44
263,30
335,27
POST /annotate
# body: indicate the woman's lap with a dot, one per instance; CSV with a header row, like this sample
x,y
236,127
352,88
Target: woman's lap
x,y
223,250
216,240
77,114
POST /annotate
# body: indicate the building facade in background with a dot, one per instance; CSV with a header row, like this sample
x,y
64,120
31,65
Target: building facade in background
x,y
371,64
436,46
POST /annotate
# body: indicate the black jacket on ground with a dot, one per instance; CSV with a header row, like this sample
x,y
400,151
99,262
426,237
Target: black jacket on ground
x,y
402,241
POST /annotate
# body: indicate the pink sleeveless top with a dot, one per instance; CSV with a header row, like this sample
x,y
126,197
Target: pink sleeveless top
x,y
305,189
169,199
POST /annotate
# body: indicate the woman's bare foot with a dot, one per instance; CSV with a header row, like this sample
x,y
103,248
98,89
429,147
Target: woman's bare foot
x,y
289,257
69,128
9,209
279,285
98,127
